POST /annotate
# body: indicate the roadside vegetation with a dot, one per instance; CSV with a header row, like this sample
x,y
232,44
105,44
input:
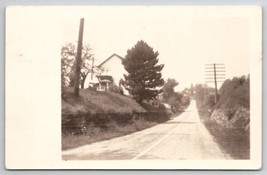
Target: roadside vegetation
x,y
229,119
92,102
96,116
178,101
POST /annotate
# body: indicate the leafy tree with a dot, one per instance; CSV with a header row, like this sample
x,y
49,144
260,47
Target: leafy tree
x,y
235,93
204,97
170,96
185,101
175,102
168,89
68,52
143,80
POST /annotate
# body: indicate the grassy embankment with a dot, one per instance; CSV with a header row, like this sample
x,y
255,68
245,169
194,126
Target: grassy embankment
x,y
228,119
96,116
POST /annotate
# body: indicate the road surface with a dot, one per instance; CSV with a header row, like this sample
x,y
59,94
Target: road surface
x,y
183,137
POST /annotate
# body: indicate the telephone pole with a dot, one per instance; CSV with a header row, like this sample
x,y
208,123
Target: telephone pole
x,y
78,59
215,73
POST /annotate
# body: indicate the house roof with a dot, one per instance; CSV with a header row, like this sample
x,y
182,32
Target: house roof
x,y
104,77
110,58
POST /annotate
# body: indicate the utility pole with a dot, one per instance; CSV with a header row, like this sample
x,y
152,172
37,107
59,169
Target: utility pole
x,y
215,73
215,81
78,59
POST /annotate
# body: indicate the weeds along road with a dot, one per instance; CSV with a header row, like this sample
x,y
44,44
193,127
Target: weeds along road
x,y
183,137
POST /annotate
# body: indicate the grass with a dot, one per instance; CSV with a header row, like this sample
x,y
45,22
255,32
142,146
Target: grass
x,y
228,119
98,102
94,134
234,141
102,104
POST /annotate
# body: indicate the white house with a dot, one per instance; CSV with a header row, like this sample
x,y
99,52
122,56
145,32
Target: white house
x,y
113,67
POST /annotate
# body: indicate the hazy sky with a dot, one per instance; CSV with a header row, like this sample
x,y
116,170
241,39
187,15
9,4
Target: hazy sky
x,y
186,38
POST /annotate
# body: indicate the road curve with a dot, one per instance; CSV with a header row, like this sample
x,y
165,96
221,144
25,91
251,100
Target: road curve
x,y
183,137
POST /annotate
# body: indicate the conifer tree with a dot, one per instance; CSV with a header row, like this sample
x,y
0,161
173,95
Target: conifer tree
x,y
143,81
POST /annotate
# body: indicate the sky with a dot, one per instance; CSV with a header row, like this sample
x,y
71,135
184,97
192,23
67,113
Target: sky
x,y
186,38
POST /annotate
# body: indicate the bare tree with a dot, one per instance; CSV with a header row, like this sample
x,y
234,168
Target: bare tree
x,y
68,53
67,59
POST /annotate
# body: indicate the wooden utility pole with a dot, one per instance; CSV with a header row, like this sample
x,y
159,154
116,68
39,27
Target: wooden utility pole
x,y
78,59
215,81
215,73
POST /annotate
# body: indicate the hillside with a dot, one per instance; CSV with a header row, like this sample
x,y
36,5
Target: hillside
x,y
91,102
229,119
96,116
232,109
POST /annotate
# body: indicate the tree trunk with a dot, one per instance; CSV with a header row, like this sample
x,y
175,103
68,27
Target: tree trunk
x,y
82,83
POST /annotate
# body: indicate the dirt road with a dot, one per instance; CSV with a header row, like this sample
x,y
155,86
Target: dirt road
x,y
183,137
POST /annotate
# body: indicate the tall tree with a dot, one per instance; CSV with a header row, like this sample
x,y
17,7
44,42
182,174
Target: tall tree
x,y
143,81
68,53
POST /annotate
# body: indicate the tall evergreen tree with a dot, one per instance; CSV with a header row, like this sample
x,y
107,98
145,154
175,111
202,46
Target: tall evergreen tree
x,y
143,81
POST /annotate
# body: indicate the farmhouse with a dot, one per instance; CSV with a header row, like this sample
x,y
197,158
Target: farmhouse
x,y
112,72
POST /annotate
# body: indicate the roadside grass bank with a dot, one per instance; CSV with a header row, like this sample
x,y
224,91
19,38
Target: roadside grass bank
x,y
96,133
231,135
93,102
233,141
97,116
228,120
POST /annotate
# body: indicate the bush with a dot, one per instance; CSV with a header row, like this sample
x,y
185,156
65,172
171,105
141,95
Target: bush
x,y
235,141
185,101
230,116
235,93
77,124
116,89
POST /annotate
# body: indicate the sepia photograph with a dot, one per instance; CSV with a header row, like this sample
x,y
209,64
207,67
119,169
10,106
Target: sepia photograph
x,y
148,83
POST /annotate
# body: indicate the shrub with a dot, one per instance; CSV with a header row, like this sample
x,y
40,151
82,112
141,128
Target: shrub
x,y
78,124
235,93
185,101
230,116
116,89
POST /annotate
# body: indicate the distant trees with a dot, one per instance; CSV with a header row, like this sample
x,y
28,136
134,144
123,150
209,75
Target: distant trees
x,y
68,53
168,88
143,80
176,100
205,96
